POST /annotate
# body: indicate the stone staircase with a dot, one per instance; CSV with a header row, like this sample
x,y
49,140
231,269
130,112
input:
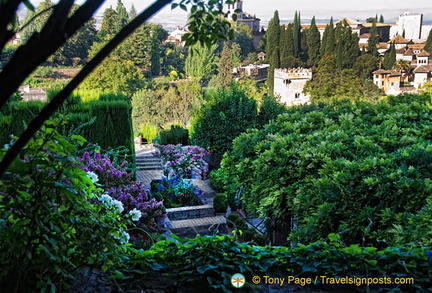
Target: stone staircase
x,y
148,162
188,222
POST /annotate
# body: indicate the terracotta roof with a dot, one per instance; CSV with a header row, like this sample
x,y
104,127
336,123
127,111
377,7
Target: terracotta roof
x,y
408,52
378,24
383,46
423,53
400,51
392,72
365,36
417,46
423,69
349,21
398,40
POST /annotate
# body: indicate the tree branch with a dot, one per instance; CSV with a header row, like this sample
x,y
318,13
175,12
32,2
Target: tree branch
x,y
41,45
58,100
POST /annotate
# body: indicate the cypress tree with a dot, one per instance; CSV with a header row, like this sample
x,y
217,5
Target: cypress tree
x,y
390,58
428,45
330,42
273,36
313,39
296,34
373,40
122,16
284,46
132,12
272,48
381,19
225,67
108,22
274,63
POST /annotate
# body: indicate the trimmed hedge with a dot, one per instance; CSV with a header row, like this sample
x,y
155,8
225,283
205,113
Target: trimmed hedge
x,y
111,128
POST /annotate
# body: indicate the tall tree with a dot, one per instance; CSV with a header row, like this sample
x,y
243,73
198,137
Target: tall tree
x,y
225,67
390,58
35,20
132,12
244,37
381,19
373,40
296,34
428,45
274,63
158,36
108,22
272,47
364,65
273,35
346,49
313,39
122,17
328,41
199,64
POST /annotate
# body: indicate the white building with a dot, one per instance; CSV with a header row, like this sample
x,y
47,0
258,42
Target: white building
x,y
289,84
408,25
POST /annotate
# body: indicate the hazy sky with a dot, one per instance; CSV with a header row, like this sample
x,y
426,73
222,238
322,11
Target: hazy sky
x,y
264,9
355,9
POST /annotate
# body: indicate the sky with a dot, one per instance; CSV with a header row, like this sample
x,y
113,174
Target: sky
x,y
264,9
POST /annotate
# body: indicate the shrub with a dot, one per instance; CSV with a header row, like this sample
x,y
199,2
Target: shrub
x,y
175,135
315,259
22,114
348,168
176,192
220,203
216,181
52,220
231,219
227,114
43,71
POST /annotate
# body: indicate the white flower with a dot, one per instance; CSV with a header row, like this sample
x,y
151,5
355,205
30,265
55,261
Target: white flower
x,y
92,175
136,214
118,204
123,236
6,146
105,198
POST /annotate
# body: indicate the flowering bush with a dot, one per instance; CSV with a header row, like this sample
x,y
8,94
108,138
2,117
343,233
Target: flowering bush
x,y
127,195
179,160
176,192
51,219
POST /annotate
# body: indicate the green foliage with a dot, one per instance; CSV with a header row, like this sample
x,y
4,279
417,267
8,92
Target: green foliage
x,y
244,38
336,168
227,114
269,109
313,39
225,66
373,40
220,203
22,114
272,37
210,262
175,135
364,65
51,223
199,62
216,181
5,124
113,124
390,58
331,84
43,71
114,75
34,20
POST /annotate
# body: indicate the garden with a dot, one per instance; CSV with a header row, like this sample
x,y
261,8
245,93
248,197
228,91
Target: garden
x,y
343,189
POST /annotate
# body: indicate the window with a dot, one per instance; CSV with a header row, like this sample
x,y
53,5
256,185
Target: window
x,y
297,95
382,82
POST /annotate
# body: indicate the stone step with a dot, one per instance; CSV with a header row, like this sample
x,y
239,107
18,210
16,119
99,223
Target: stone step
x,y
193,212
202,226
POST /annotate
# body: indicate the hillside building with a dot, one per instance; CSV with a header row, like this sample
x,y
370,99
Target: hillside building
x,y
242,17
408,25
289,84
